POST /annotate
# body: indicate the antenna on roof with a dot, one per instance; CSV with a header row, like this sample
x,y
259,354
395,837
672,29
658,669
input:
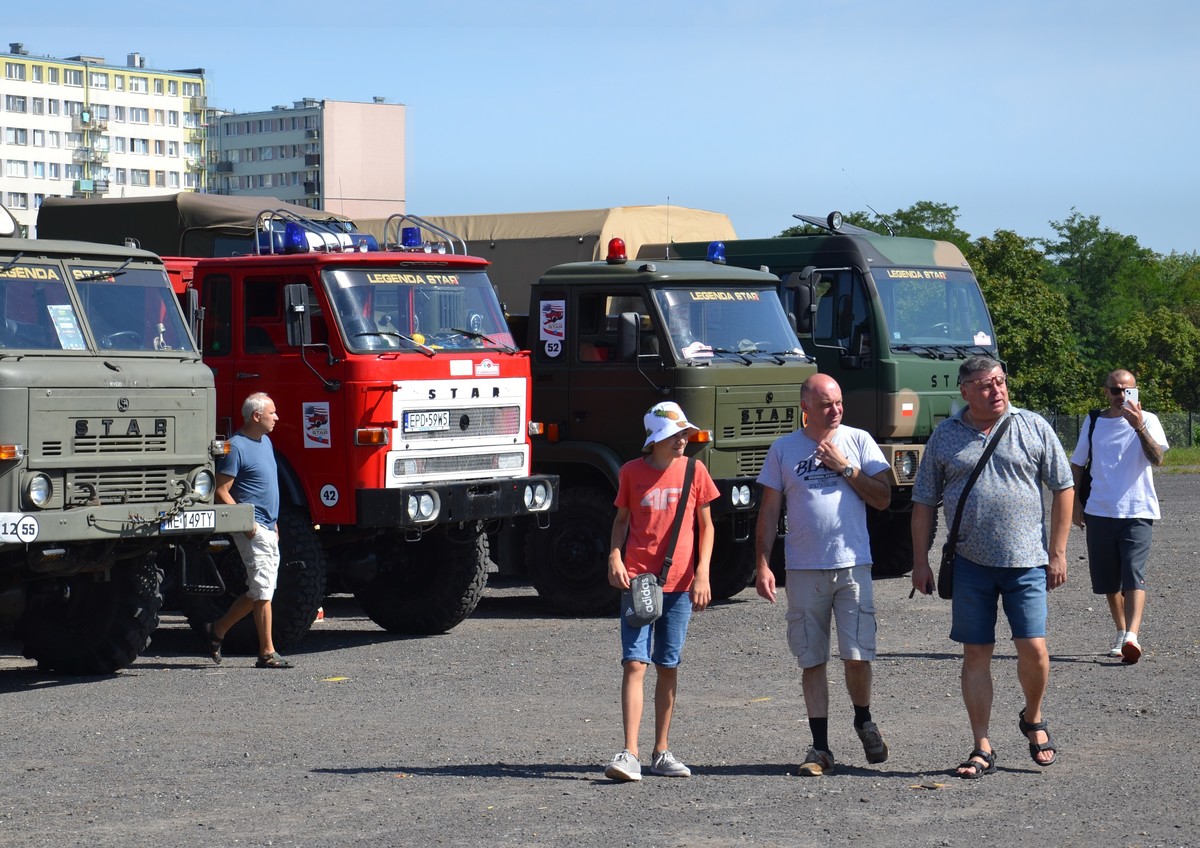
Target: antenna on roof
x,y
668,256
882,219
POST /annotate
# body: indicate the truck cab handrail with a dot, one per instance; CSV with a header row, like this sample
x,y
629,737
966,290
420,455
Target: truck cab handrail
x,y
331,237
422,224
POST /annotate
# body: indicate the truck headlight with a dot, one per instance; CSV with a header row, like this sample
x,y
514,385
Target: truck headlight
x,y
202,484
38,490
422,506
537,497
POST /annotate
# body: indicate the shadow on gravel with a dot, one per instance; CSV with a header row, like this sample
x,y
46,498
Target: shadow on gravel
x,y
550,771
25,679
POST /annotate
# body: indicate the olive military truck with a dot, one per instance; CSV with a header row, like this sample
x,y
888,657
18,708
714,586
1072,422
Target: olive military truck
x,y
106,451
609,339
889,318
404,405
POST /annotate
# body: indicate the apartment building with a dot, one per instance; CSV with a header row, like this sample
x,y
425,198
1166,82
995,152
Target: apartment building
x,y
82,127
339,156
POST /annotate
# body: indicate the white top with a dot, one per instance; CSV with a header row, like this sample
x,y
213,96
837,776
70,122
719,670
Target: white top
x,y
827,519
1122,477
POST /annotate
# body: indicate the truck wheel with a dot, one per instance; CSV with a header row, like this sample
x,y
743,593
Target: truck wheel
x,y
426,587
93,626
568,561
732,566
298,594
891,541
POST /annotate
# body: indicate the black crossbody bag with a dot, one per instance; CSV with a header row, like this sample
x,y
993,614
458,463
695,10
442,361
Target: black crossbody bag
x,y
945,579
642,602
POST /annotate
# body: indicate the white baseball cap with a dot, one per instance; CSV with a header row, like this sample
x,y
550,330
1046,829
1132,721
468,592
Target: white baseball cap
x,y
665,420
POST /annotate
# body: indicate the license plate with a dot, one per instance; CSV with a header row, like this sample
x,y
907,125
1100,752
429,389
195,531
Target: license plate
x,y
200,520
426,422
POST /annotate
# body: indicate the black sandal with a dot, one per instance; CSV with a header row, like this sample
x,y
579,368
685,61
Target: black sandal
x,y
272,661
978,770
214,643
1036,748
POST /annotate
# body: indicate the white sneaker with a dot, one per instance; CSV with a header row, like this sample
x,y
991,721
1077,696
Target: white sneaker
x,y
1115,650
665,764
624,766
1131,649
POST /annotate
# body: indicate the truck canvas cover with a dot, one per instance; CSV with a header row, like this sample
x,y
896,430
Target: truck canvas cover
x,y
183,224
522,245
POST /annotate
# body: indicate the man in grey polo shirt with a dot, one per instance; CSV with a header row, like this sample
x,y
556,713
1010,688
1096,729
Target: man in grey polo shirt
x,y
1002,546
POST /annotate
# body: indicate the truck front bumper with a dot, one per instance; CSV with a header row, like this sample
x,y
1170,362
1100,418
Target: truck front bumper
x,y
121,521
424,506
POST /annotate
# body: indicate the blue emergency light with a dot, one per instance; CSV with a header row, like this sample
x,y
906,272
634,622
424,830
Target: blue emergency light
x,y
716,252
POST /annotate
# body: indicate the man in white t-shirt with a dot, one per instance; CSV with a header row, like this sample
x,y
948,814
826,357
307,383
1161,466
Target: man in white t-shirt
x,y
1124,443
829,474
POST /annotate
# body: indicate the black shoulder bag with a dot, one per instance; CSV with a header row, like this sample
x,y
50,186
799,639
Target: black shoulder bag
x,y
642,602
945,579
1084,489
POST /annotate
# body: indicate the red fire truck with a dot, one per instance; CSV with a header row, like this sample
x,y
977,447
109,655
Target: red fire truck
x,y
404,404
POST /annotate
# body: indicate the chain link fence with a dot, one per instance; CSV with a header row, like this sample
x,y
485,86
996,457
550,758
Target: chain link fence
x,y
1180,427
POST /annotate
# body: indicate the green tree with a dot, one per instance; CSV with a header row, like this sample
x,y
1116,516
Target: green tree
x,y
1163,349
1032,331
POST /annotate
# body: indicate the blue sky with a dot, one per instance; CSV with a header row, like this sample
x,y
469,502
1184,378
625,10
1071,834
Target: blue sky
x,y
1015,111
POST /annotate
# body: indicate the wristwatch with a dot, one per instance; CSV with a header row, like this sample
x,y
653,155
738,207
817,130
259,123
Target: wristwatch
x,y
848,471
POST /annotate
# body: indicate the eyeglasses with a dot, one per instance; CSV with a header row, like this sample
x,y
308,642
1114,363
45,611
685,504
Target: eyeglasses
x,y
988,382
1115,390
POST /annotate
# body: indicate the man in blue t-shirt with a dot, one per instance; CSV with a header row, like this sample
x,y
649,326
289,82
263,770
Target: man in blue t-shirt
x,y
829,474
247,474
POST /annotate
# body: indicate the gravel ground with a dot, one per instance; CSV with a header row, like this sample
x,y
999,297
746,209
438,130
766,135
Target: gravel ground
x,y
496,734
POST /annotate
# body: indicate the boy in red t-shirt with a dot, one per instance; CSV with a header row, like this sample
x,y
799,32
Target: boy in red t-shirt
x,y
647,498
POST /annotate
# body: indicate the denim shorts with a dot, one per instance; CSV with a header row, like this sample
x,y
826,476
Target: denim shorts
x,y
1118,549
976,589
660,642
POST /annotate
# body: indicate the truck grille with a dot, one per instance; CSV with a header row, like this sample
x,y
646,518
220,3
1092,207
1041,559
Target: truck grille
x,y
758,429
472,422
119,444
750,462
117,487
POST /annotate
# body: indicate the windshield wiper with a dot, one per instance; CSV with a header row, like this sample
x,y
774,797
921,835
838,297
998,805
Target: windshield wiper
x,y
12,262
736,353
105,275
425,349
471,334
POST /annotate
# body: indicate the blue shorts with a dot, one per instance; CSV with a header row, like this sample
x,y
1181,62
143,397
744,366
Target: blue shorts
x,y
973,608
1118,549
662,641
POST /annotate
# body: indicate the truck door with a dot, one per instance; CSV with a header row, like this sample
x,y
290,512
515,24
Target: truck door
x,y
846,336
216,345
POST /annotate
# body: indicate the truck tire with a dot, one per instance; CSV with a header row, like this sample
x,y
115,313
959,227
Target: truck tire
x,y
732,566
426,587
568,561
298,594
94,626
891,541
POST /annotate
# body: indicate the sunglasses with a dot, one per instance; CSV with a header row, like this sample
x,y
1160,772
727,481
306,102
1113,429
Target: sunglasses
x,y
1115,390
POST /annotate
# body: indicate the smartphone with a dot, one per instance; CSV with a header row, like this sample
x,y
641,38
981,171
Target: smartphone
x,y
1131,395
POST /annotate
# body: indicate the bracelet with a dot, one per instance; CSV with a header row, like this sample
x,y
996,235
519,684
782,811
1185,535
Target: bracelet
x,y
1141,429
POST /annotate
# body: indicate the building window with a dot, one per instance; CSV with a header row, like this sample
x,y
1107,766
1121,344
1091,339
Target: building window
x,y
119,144
119,176
73,172
52,76
37,200
52,138
39,106
39,138
52,168
173,88
16,168
97,79
191,150
189,180
72,77
14,70
119,82
73,140
160,179
172,119
16,135
160,147
52,107
191,120
173,179
139,116
139,85
119,114
18,200
173,149
100,111
14,103
73,107
139,177
39,170
160,117
139,146
37,72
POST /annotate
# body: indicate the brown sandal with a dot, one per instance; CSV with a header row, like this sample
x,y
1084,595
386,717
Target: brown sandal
x,y
272,661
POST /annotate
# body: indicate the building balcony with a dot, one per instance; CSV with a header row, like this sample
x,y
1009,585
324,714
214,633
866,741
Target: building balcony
x,y
89,154
224,167
312,135
312,188
312,160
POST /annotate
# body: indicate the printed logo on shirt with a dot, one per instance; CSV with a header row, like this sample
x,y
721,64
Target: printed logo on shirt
x,y
659,499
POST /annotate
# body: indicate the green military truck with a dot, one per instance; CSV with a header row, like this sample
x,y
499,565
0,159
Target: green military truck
x,y
106,451
611,338
890,319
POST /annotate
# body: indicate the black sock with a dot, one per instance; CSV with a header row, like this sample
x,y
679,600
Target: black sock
x,y
820,733
861,715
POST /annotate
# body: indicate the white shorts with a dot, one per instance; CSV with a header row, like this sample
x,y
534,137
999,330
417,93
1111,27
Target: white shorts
x,y
816,595
260,555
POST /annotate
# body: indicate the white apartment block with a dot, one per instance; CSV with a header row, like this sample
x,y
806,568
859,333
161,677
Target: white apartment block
x,y
81,127
334,155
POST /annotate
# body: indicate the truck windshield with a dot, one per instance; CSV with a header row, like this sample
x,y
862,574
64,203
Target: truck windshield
x,y
927,307
713,320
388,308
125,309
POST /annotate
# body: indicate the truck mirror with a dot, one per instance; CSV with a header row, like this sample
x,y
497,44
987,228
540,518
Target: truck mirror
x,y
299,320
195,315
629,328
800,298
